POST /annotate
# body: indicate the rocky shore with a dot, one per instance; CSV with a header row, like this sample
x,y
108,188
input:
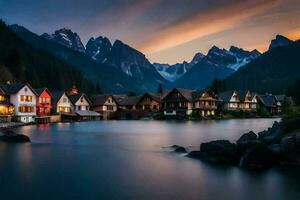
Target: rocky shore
x,y
272,147
10,136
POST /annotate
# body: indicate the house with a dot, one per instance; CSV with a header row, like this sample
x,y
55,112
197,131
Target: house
x,y
126,102
61,102
204,103
81,106
105,104
248,101
229,100
149,102
270,102
6,108
24,98
178,102
43,104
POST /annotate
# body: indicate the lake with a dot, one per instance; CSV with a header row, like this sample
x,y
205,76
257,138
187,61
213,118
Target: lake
x,y
128,160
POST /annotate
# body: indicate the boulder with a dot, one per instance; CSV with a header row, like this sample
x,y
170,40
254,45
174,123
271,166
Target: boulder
x,y
246,141
195,154
247,137
259,157
14,138
180,150
288,144
272,135
219,151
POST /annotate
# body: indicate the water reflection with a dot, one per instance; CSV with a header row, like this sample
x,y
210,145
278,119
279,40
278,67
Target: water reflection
x,y
125,160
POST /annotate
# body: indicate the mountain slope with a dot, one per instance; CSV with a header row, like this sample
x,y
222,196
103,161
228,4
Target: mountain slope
x,y
272,72
110,78
280,41
174,72
218,63
19,62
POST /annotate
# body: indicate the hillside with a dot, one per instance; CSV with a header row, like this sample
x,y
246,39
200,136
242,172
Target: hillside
x,y
19,62
274,71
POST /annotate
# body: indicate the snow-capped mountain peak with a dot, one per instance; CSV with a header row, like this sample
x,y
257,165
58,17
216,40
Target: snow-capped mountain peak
x,y
67,38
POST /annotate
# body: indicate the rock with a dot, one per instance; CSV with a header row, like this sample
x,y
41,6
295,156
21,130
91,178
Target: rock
x,y
259,157
195,154
297,136
219,151
272,135
246,141
180,150
14,138
288,144
247,137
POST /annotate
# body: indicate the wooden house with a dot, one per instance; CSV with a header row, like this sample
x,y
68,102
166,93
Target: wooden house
x,y
105,104
24,98
229,100
270,102
61,102
6,108
44,102
204,103
149,102
178,102
126,102
81,106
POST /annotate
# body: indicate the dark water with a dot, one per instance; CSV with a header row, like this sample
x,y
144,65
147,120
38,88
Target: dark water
x,y
125,160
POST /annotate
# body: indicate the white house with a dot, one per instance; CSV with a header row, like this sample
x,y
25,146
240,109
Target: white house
x,y
80,102
61,102
23,97
230,100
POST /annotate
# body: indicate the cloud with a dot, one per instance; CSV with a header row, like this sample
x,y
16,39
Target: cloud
x,y
206,23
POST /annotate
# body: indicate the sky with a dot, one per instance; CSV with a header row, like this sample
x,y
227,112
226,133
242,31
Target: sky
x,y
166,31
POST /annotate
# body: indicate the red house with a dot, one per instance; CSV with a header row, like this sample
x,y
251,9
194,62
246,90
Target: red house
x,y
43,104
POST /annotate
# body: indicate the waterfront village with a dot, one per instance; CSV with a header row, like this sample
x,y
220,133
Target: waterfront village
x,y
23,103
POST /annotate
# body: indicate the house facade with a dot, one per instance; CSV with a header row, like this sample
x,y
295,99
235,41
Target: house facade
x,y
270,102
24,98
149,102
43,104
61,103
229,100
6,108
178,102
105,103
204,103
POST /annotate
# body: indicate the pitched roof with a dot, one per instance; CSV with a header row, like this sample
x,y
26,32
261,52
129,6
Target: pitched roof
x,y
76,97
280,97
242,93
225,96
89,113
124,100
197,94
15,88
39,91
267,99
101,99
187,93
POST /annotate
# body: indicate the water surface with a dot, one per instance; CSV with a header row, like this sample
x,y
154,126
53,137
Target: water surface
x,y
126,160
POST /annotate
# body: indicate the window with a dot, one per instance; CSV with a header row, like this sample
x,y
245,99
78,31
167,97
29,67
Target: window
x,y
26,109
110,108
81,99
2,98
44,100
26,98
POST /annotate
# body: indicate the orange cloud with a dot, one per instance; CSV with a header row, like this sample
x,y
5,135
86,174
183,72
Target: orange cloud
x,y
206,23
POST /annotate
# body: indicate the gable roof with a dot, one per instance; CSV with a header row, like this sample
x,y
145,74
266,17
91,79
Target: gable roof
x,y
197,94
76,97
124,100
268,100
56,95
153,96
39,91
15,88
280,97
186,93
225,96
242,94
101,99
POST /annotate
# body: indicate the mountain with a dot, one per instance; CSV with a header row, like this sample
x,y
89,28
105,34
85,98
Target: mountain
x,y
279,41
108,74
174,72
218,63
98,48
67,38
133,63
274,71
20,62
